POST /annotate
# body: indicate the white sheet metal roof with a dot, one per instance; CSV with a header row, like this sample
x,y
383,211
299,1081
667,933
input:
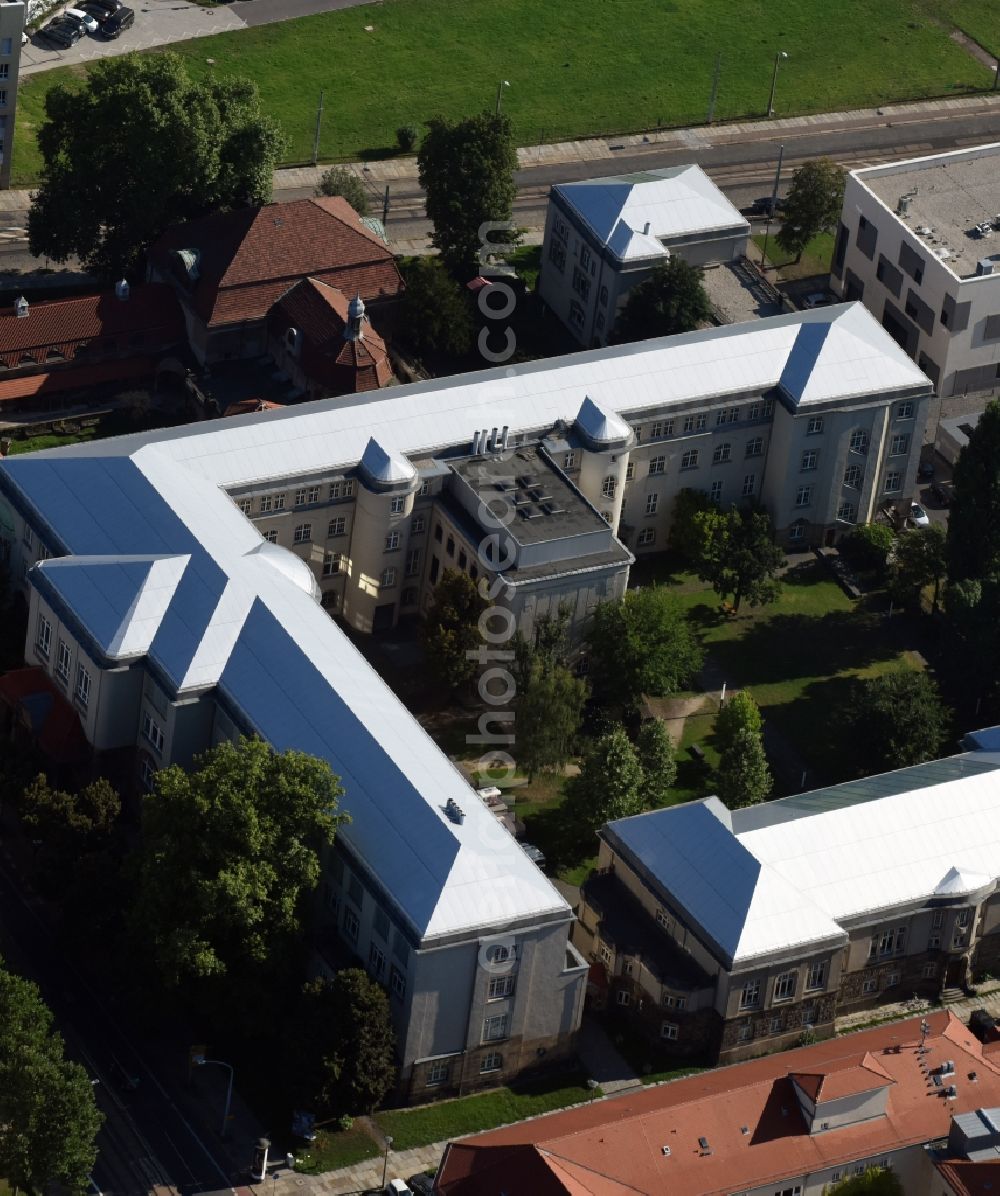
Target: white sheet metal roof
x,y
628,212
795,881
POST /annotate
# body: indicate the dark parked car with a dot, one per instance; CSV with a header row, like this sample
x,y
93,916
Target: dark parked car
x,y
63,31
983,1024
97,9
118,22
762,206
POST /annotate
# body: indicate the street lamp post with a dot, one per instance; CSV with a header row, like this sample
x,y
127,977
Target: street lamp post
x,y
774,80
201,1061
500,86
385,1161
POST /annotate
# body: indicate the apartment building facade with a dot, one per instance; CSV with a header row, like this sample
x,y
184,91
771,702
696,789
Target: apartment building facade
x,y
11,30
919,245
605,236
734,932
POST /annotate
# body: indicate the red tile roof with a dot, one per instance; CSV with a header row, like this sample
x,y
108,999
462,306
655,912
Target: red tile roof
x,y
75,377
972,1179
847,1077
620,1141
249,258
320,313
149,307
250,406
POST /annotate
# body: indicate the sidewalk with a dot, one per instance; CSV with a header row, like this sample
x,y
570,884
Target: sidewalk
x,y
605,149
988,998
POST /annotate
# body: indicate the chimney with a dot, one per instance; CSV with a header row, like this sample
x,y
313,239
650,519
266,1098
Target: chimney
x,y
505,437
21,307
122,289
476,440
493,439
646,228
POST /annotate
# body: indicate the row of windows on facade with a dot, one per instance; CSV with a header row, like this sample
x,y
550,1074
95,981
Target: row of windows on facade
x,y
439,1072
892,941
306,496
64,661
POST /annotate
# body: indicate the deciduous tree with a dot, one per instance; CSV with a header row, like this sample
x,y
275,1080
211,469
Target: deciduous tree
x,y
48,1116
466,169
739,556
671,300
338,180
341,1045
743,777
658,762
141,146
451,634
69,829
687,536
548,715
609,784
974,518
868,546
740,713
435,315
920,559
874,1181
643,644
813,205
229,859
893,721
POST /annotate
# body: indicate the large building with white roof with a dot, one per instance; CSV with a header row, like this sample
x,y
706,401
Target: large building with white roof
x,y
739,930
176,583
604,236
919,245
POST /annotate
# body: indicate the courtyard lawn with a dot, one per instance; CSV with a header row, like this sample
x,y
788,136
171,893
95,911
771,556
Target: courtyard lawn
x,y
444,57
410,1128
334,1149
816,257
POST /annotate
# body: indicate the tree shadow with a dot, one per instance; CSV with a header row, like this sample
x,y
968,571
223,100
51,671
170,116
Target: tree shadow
x,y
813,724
562,839
804,573
704,617
789,646
378,153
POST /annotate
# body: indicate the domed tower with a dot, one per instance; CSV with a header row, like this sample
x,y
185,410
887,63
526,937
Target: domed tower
x,y
607,440
381,530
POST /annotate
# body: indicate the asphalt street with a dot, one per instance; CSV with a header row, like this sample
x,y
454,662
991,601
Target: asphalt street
x,y
159,1136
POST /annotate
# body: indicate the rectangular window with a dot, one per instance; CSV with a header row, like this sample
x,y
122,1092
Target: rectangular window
x,y
351,924
557,255
963,918
852,476
418,524
774,1025
893,481
342,489
569,461
495,1028
152,732
937,919
750,995
397,982
695,423
6,45
581,283
745,1032
388,578
892,979
803,496
500,987
810,459
929,971
147,773
662,428
63,661
715,493
576,314
904,410
397,505
623,998
336,527
689,460
784,986
332,563
413,562
27,536
305,495
755,446
859,441
245,505
657,464
491,1062
646,537
43,636
606,953
438,1073
271,537
816,975
302,533
899,445
584,257
630,471
797,531
749,485
814,426
870,985
722,454
668,1030
652,501
729,415
376,961
847,512
392,542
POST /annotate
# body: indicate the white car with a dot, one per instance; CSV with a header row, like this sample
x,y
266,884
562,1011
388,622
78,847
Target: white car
x,y
918,516
85,19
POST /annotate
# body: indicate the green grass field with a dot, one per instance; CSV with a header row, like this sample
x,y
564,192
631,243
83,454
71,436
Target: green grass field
x,y
410,1128
567,66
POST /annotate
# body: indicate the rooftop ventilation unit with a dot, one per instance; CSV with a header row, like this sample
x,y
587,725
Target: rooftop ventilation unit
x,y
705,1148
951,1092
948,1067
477,438
665,1151
454,811
983,266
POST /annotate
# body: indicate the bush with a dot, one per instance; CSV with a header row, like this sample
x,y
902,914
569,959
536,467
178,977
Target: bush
x,y
868,546
338,180
407,137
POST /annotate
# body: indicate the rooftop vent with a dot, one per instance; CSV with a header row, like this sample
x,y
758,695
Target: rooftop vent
x,y
454,811
984,266
21,307
951,1092
705,1148
948,1067
665,1151
744,1130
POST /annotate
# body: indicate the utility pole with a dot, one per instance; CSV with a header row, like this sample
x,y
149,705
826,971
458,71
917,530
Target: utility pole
x,y
715,89
319,125
770,211
385,206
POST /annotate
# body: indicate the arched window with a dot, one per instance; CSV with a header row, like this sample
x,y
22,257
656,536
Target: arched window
x,y
609,487
797,530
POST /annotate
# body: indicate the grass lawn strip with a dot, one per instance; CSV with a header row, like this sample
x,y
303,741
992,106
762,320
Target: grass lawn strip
x,y
565,73
411,1128
334,1149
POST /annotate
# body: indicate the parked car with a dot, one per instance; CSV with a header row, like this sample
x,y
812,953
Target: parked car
x,y
109,6
120,20
762,206
421,1184
918,516
818,299
983,1025
85,18
62,32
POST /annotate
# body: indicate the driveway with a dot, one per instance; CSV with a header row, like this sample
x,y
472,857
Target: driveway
x,y
160,22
